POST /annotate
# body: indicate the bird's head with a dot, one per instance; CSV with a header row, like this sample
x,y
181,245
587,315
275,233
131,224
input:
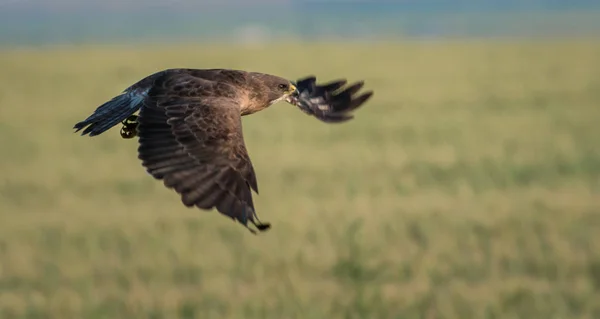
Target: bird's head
x,y
276,88
280,89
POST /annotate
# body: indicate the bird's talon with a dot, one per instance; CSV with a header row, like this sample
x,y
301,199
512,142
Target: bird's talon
x,y
129,129
131,120
263,227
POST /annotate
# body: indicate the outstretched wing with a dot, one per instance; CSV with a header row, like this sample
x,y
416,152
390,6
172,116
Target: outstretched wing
x,y
329,102
190,136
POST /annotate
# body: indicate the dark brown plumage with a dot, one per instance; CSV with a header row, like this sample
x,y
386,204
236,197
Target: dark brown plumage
x,y
190,129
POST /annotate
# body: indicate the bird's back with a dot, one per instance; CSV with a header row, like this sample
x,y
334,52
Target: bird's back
x,y
215,82
224,76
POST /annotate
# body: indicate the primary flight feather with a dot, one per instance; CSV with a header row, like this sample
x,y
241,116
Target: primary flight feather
x,y
190,130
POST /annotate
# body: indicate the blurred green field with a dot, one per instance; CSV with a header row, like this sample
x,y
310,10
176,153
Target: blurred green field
x,y
467,188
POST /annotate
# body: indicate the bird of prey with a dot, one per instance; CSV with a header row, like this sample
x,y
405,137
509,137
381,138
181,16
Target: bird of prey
x,y
189,128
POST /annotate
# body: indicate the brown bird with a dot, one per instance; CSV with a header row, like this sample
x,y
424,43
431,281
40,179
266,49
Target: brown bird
x,y
190,129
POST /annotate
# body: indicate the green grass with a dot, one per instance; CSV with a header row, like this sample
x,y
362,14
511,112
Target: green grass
x,y
467,188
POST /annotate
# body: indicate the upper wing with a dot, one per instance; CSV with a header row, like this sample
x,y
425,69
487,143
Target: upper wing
x,y
118,108
191,138
127,103
329,102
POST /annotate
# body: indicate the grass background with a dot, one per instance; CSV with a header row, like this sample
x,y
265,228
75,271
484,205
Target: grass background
x,y
467,188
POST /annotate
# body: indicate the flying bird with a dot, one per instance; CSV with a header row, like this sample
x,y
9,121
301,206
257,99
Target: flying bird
x,y
189,128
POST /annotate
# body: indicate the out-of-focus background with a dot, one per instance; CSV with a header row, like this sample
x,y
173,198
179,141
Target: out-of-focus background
x,y
468,187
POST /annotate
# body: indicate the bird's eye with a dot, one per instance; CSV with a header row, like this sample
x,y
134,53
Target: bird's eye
x,y
282,86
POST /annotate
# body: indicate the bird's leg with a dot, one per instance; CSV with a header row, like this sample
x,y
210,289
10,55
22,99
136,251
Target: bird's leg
x,y
262,227
252,217
129,129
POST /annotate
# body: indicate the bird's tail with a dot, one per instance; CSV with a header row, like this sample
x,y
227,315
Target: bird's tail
x,y
111,113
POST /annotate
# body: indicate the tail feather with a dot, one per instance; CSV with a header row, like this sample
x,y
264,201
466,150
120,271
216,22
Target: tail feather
x,y
111,113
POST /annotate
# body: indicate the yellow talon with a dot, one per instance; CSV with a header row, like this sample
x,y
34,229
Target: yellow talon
x,y
129,129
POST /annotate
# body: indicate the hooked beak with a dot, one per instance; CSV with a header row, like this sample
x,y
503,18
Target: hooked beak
x,y
294,90
292,97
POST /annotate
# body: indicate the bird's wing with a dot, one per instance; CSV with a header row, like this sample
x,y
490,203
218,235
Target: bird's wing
x,y
329,102
119,107
190,136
